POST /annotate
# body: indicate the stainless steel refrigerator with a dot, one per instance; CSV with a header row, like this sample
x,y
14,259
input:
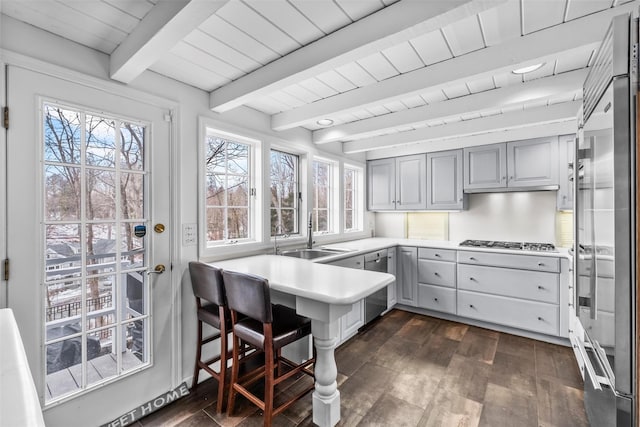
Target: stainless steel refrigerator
x,y
605,228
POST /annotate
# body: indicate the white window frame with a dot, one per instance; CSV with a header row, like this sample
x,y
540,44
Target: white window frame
x,y
210,127
358,199
333,215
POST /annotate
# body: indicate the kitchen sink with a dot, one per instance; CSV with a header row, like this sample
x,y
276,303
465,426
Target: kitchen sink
x,y
311,253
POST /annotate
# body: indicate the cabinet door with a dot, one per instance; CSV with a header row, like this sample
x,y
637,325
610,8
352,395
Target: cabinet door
x,y
391,269
407,283
532,162
381,184
485,167
566,155
411,182
444,180
352,321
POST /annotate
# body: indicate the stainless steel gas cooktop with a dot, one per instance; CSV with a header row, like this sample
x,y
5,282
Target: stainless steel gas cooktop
x,y
521,246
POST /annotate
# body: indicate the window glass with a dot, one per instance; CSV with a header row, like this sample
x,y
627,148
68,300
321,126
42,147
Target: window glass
x,y
322,196
351,197
227,189
284,193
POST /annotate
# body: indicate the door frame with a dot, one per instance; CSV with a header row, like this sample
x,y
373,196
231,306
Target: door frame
x,y
9,58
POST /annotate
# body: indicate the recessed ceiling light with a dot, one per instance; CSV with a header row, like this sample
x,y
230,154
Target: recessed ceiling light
x,y
528,69
325,122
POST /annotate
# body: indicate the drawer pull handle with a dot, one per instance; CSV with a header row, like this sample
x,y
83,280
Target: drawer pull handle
x,y
540,264
472,279
438,255
471,306
540,287
436,273
540,319
472,258
435,299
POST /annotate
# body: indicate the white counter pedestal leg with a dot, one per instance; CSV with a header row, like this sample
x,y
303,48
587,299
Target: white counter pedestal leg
x,y
326,397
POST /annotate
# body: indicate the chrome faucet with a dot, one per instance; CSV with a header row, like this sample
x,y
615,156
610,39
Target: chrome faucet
x,y
310,231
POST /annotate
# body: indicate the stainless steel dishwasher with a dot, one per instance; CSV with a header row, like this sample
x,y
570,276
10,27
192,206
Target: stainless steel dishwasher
x,y
375,303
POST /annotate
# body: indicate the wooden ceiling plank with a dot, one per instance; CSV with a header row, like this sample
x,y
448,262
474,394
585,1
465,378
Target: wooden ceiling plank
x,y
541,89
555,113
541,46
167,23
378,31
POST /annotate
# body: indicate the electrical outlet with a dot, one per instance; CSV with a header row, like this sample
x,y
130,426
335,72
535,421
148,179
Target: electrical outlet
x,y
189,234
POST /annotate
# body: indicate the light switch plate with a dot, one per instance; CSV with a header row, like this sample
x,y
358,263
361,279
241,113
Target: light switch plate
x,y
189,234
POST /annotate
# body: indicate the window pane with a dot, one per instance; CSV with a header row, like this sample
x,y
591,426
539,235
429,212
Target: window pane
x,y
62,200
136,339
215,224
135,294
100,355
238,223
215,191
63,257
132,195
100,301
62,133
132,247
63,301
101,248
238,158
101,194
237,191
215,155
101,142
132,146
284,192
322,197
348,219
322,221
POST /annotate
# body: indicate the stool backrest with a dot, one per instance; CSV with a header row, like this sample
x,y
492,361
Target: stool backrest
x,y
249,295
206,281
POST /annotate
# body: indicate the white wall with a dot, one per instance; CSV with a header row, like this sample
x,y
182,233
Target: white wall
x,y
520,216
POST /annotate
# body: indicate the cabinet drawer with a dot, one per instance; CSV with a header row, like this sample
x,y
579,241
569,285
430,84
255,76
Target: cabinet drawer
x,y
522,314
351,262
533,285
437,254
437,273
528,262
437,298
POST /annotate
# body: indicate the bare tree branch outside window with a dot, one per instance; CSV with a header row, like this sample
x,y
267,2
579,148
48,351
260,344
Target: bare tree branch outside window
x,y
227,189
284,193
322,188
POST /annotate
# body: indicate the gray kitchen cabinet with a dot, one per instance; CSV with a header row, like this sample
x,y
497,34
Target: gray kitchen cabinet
x,y
519,291
397,183
532,163
354,319
444,181
566,155
392,298
437,280
485,167
515,165
381,184
407,277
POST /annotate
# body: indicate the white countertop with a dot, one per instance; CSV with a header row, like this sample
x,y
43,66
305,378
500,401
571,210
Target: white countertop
x,y
315,281
19,404
357,247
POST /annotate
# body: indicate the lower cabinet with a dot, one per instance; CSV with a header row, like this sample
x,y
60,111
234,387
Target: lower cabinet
x,y
354,319
437,280
392,297
529,315
437,298
407,275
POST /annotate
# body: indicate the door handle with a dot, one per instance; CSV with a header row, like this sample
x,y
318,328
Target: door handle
x,y
158,269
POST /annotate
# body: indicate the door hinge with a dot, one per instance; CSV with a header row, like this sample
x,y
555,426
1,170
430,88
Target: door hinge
x,y
5,270
5,117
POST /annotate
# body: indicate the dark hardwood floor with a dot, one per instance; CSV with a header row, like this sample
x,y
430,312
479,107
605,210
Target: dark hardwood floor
x,y
413,370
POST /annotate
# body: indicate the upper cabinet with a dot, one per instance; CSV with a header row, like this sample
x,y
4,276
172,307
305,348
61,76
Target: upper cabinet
x,y
532,163
528,164
485,167
566,155
397,183
381,184
444,181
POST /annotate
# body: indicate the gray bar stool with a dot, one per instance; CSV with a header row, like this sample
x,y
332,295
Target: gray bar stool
x,y
269,328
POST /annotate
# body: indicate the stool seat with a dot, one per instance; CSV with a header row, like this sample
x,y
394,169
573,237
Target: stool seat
x,y
287,328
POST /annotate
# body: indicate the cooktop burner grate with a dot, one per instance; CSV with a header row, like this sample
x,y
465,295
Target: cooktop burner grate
x,y
526,246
